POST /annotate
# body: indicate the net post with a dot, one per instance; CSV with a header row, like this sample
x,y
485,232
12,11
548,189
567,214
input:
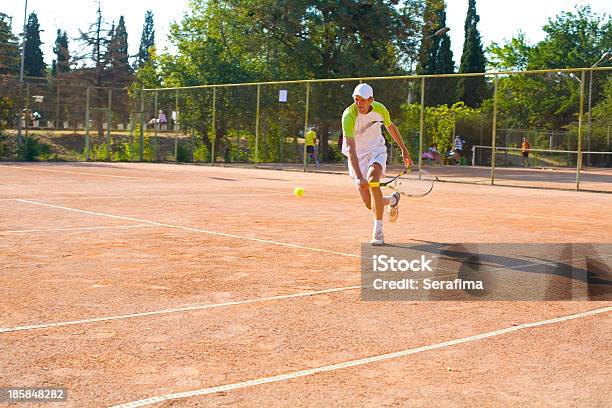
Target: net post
x,y
421,125
257,125
214,125
109,119
155,127
87,97
473,156
580,118
306,122
494,130
142,123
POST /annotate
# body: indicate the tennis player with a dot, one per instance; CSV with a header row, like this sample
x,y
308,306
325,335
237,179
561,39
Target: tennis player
x,y
364,145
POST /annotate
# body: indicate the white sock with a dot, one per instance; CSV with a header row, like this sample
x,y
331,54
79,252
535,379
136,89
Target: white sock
x,y
377,224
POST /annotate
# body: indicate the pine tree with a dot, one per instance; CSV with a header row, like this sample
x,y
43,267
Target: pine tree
x,y
34,65
9,48
472,90
118,53
147,40
436,56
61,63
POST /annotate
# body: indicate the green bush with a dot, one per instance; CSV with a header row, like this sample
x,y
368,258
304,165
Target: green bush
x,y
32,150
183,153
201,154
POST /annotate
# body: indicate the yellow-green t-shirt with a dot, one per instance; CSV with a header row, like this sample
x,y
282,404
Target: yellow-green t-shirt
x,y
310,138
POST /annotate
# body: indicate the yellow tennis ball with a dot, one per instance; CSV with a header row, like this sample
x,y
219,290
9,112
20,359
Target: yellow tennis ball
x,y
298,191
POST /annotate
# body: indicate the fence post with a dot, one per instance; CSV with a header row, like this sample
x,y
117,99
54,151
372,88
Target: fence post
x,y
132,136
28,115
109,120
306,122
494,130
155,128
580,117
192,139
57,107
421,125
142,124
257,126
214,125
176,109
87,152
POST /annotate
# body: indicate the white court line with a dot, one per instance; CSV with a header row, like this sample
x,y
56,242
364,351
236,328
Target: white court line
x,y
183,309
221,234
354,363
174,310
73,229
144,196
78,172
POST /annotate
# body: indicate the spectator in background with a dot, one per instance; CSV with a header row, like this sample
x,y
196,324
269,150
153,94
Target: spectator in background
x,y
458,149
525,148
432,154
162,120
311,145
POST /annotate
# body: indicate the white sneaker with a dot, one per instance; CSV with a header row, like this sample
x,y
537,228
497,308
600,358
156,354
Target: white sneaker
x,y
377,238
394,209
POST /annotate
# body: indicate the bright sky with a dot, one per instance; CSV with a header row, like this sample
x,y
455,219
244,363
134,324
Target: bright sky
x,y
499,20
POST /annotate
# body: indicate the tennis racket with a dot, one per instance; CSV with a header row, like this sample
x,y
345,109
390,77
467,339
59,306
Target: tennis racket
x,y
409,185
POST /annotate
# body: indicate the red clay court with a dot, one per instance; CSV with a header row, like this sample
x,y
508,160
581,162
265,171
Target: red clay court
x,y
194,286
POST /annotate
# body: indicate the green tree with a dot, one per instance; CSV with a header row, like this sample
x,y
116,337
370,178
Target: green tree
x,y
9,48
573,39
251,40
61,63
34,65
511,56
436,56
118,59
147,40
472,90
336,39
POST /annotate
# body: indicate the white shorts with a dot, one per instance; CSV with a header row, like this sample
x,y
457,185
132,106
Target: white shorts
x,y
366,161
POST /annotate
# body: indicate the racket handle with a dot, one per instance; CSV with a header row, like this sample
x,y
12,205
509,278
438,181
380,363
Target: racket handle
x,y
374,183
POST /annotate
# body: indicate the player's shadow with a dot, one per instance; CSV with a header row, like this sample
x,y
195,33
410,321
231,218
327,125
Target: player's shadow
x,y
563,269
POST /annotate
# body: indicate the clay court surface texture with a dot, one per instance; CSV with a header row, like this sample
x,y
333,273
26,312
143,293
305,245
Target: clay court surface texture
x,y
196,286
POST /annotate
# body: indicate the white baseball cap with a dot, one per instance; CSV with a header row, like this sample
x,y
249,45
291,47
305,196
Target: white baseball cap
x,y
364,90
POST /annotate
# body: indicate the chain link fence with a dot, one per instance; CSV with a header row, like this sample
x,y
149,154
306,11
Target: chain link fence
x,y
463,125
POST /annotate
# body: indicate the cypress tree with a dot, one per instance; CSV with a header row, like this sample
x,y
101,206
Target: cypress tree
x,y
436,56
34,65
472,90
61,63
118,53
147,40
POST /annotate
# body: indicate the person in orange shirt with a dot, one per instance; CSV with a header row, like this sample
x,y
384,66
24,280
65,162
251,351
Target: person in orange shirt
x,y
525,147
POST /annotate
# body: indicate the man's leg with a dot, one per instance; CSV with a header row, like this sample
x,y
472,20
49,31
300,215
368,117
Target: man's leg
x,y
364,193
365,197
378,201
